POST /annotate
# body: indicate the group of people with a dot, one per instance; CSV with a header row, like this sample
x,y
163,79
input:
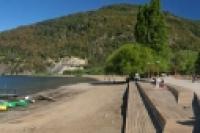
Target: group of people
x,y
195,78
158,81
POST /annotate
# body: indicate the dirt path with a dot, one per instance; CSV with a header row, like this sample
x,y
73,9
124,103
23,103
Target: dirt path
x,y
96,110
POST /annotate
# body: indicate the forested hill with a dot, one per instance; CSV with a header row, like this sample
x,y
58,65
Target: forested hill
x,y
92,35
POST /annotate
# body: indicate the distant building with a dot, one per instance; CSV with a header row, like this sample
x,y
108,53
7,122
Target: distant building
x,y
69,64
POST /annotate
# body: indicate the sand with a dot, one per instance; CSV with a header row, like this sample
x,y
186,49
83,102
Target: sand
x,y
81,108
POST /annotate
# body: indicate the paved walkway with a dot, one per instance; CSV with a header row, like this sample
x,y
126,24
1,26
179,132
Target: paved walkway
x,y
185,83
137,119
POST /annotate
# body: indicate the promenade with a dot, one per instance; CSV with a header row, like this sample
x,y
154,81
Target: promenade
x,y
195,87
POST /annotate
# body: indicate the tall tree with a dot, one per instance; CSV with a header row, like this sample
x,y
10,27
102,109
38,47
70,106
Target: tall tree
x,y
151,28
141,25
197,64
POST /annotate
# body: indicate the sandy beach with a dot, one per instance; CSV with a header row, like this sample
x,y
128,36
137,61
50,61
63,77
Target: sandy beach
x,y
79,108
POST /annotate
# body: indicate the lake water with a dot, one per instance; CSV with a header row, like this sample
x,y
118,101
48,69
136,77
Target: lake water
x,y
23,85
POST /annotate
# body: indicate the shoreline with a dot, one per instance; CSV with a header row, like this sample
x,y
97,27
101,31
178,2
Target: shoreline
x,y
24,85
58,75
59,93
73,106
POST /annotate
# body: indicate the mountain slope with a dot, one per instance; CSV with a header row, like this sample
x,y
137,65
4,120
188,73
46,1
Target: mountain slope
x,y
93,35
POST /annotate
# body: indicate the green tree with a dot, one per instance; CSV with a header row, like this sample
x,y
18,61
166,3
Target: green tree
x,y
197,65
151,31
129,59
141,26
184,61
151,28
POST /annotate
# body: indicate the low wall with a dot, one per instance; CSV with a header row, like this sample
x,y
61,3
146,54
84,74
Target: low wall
x,y
165,125
107,77
159,119
183,96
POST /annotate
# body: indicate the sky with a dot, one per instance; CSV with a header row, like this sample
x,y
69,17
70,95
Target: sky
x,y
14,13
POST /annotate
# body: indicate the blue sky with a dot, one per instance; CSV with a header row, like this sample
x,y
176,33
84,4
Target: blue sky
x,y
14,13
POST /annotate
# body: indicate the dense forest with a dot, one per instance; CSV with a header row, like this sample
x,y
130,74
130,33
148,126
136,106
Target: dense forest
x,y
92,35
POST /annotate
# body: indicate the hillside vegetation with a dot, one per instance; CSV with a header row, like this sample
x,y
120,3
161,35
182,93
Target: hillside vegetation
x,y
92,35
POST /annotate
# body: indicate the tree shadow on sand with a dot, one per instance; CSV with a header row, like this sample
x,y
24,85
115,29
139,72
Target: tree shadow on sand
x,y
195,121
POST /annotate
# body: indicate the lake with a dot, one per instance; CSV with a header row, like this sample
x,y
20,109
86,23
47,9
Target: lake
x,y
24,85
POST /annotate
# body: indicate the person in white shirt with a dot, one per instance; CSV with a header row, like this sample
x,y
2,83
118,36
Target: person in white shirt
x,y
158,80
